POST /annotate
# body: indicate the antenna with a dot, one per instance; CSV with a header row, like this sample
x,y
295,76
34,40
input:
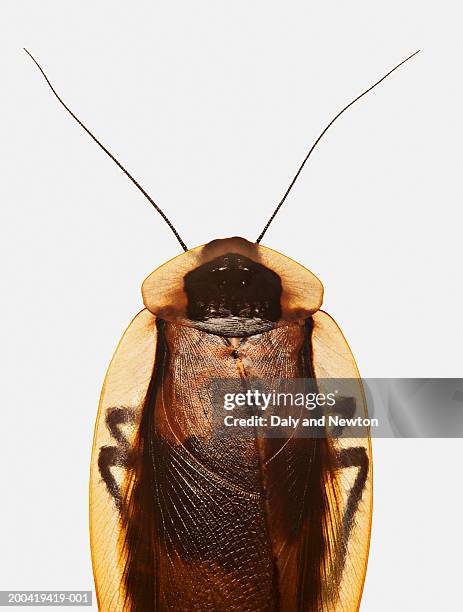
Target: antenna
x,y
126,172
280,204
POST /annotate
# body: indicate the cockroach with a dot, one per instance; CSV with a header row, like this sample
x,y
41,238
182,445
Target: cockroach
x,y
181,519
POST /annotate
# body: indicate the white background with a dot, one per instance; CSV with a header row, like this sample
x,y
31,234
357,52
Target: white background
x,y
212,105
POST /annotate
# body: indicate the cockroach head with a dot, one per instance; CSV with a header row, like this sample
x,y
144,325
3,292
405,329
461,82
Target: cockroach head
x,y
232,287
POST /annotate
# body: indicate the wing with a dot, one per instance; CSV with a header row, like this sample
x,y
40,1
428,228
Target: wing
x,y
123,397
332,358
119,412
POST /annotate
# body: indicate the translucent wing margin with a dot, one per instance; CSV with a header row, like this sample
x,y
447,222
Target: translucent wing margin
x,y
332,358
119,412
121,402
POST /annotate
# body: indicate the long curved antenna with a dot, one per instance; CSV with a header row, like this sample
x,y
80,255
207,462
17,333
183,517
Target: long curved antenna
x,y
321,136
126,172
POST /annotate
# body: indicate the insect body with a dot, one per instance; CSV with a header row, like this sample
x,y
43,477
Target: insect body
x,y
200,522
184,519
